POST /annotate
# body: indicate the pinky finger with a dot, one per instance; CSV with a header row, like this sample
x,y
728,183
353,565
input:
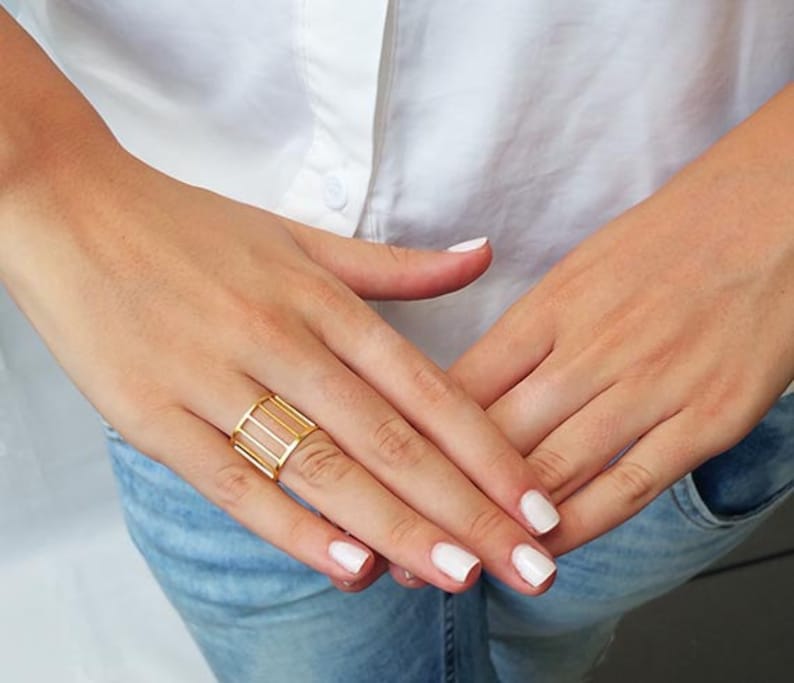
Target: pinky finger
x,y
379,567
205,460
655,462
405,578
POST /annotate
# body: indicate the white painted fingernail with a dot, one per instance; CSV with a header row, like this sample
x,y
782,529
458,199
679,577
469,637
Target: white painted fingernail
x,y
533,565
468,245
349,556
455,562
539,512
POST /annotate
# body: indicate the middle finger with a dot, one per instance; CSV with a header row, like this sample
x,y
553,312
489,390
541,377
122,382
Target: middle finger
x,y
367,428
438,408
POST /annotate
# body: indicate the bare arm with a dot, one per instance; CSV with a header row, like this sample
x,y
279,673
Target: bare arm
x,y
126,273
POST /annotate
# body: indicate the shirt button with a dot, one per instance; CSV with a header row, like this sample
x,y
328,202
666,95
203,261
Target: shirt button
x,y
335,195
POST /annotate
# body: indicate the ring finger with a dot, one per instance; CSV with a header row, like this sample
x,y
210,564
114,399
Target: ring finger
x,y
348,496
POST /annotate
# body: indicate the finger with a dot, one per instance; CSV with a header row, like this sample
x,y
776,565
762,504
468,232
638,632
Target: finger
x,y
379,568
586,442
442,412
516,344
319,472
555,391
385,271
404,577
375,435
403,463
415,470
355,585
655,462
202,456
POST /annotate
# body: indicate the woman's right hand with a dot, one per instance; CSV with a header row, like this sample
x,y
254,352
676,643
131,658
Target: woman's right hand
x,y
174,309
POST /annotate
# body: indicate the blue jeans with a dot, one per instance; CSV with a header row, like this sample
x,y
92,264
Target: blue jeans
x,y
258,615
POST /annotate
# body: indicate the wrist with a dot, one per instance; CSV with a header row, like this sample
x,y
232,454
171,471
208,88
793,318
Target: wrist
x,y
736,201
49,138
40,173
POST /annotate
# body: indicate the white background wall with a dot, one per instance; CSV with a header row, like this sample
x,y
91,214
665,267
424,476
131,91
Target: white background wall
x,y
77,602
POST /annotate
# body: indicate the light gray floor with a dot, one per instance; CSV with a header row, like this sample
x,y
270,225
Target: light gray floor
x,y
77,604
734,624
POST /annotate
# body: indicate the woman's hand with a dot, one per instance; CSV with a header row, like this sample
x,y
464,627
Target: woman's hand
x,y
672,329
174,309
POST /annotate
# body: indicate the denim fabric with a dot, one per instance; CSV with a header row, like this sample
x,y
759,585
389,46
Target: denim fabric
x,y
258,615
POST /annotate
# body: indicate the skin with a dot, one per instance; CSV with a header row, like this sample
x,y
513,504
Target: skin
x,y
671,328
592,359
173,309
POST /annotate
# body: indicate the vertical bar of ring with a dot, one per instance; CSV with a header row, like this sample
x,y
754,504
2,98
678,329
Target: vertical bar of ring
x,y
253,447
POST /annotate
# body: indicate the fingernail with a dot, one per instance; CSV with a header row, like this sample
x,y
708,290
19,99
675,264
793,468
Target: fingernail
x,y
349,556
468,245
533,565
455,562
539,512
408,575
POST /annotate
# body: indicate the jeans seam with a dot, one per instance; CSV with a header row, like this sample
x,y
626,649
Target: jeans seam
x,y
687,500
448,610
682,498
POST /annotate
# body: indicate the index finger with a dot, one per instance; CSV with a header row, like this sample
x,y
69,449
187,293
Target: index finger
x,y
442,411
655,462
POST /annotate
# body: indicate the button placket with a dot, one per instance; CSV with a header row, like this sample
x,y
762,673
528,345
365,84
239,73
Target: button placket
x,y
341,63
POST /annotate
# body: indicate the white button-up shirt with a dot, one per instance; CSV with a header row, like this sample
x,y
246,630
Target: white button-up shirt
x,y
420,122
425,123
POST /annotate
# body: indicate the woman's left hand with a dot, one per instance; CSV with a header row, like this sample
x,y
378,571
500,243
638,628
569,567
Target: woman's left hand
x,y
670,330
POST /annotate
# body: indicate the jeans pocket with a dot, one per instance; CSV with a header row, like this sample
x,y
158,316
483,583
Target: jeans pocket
x,y
691,504
743,484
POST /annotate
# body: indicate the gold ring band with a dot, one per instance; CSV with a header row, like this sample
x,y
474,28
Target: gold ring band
x,y
269,433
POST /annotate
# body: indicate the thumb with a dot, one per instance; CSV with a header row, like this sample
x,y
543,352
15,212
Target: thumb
x,y
384,271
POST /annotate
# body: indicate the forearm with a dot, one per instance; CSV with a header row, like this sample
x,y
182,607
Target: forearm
x,y
47,130
766,137
743,186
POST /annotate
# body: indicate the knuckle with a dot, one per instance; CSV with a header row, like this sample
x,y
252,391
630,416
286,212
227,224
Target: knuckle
x,y
484,525
398,254
234,484
603,432
350,395
656,361
501,460
634,482
237,308
552,469
721,395
241,311
298,526
254,317
404,530
398,444
434,385
265,326
553,380
254,325
328,293
320,462
142,401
